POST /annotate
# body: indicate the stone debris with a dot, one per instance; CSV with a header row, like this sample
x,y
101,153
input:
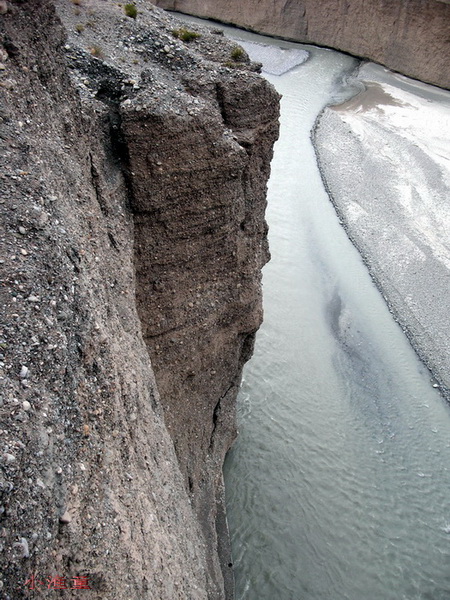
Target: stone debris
x,y
23,548
8,459
65,518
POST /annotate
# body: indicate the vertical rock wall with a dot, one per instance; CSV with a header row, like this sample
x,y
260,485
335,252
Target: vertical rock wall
x,y
200,245
410,36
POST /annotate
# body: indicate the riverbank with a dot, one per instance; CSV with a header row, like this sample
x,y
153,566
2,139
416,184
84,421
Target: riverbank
x,y
385,160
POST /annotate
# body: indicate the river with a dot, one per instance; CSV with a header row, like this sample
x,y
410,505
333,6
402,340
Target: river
x,y
338,487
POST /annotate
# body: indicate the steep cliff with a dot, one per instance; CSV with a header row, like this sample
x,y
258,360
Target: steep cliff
x,y
409,36
133,195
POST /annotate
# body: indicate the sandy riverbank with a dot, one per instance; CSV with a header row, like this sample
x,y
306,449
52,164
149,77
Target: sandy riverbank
x,y
385,159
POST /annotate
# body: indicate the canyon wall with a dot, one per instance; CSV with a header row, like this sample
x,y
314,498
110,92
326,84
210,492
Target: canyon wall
x,y
133,176
409,36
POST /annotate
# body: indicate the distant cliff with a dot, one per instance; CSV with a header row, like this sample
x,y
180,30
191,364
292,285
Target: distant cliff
x,y
133,182
409,36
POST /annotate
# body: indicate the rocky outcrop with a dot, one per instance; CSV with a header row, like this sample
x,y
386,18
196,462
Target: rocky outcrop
x,y
133,196
200,246
409,36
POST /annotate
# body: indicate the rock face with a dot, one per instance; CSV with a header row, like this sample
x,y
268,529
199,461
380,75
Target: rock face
x,y
133,196
409,36
200,246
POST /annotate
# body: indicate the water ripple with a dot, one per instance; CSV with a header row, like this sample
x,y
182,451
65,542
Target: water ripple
x,y
338,485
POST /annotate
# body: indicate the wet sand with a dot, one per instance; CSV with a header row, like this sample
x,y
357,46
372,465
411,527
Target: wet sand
x,y
385,159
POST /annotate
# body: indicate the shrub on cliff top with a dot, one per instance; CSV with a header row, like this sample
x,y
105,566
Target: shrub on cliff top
x,y
130,10
186,35
96,51
237,54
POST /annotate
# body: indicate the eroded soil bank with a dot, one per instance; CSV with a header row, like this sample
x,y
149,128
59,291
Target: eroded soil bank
x,y
133,234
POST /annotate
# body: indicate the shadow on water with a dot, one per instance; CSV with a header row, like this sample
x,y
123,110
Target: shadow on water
x,y
370,389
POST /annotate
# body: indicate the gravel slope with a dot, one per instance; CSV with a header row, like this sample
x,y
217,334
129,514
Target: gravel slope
x,y
385,159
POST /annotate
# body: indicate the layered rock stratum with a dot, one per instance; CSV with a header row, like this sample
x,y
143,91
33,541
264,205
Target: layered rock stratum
x,y
133,193
409,36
